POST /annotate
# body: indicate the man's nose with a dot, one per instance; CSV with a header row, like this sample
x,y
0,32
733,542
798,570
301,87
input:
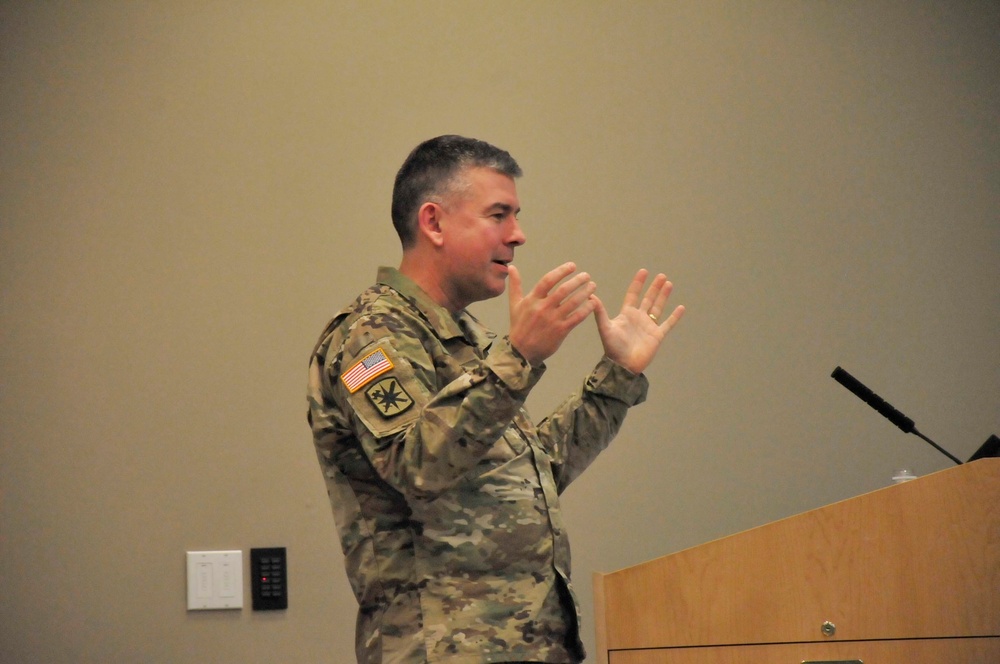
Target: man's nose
x,y
516,236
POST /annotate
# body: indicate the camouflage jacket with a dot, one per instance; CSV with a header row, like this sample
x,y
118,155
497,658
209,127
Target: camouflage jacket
x,y
444,493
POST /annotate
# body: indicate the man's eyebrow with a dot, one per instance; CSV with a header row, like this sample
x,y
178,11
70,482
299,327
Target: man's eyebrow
x,y
503,207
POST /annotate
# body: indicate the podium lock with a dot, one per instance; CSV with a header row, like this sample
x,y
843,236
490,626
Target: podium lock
x,y
828,628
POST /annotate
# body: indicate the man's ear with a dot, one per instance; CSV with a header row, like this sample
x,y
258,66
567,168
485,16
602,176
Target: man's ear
x,y
429,218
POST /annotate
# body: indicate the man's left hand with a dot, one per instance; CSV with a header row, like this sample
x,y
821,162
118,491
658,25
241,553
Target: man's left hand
x,y
632,338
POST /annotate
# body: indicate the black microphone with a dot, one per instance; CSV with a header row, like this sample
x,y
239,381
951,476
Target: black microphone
x,y
878,403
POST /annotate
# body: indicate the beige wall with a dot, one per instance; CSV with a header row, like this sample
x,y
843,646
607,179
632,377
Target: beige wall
x,y
189,191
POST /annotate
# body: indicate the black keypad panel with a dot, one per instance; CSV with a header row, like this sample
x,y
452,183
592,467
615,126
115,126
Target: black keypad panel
x,y
269,568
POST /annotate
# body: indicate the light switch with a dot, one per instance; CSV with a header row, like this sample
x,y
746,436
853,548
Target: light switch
x,y
215,580
203,580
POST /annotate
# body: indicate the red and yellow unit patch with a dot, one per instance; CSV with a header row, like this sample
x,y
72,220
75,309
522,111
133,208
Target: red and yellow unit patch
x,y
364,370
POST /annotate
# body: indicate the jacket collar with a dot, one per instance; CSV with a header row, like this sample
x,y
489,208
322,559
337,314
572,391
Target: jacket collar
x,y
445,324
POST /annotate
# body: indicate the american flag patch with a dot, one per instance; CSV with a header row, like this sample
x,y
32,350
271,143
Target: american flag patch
x,y
373,364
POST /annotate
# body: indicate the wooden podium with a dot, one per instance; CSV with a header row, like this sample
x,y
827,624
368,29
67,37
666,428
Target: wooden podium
x,y
909,574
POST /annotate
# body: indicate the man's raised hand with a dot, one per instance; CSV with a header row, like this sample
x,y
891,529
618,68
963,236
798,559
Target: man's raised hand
x,y
632,338
541,320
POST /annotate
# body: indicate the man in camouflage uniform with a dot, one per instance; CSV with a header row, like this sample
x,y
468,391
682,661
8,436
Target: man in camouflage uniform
x,y
445,494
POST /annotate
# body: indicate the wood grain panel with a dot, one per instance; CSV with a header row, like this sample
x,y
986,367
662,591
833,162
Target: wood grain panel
x,y
931,651
915,560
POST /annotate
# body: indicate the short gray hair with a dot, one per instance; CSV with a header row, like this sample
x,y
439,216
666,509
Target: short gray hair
x,y
430,171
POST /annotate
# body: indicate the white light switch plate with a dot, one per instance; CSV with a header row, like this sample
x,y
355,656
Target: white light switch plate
x,y
214,580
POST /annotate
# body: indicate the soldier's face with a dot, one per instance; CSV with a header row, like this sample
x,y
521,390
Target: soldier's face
x,y
480,231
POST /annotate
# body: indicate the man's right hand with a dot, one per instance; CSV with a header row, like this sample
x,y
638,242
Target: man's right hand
x,y
541,320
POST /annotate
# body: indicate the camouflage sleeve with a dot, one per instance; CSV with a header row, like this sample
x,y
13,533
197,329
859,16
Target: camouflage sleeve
x,y
583,426
424,418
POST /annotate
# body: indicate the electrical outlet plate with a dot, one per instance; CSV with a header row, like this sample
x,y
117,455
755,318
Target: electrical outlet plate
x,y
214,580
